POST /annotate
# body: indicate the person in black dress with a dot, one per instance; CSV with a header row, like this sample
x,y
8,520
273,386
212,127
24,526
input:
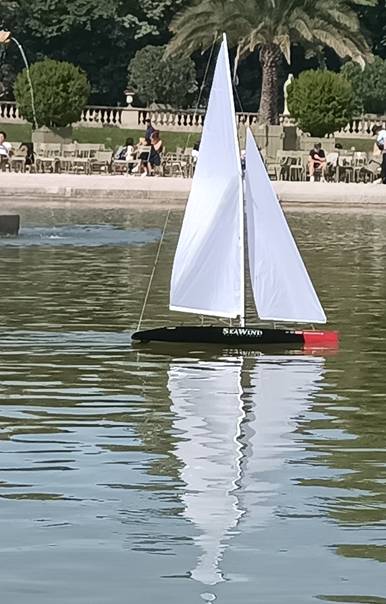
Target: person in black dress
x,y
155,153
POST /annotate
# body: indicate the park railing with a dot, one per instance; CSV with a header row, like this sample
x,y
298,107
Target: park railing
x,y
184,120
9,113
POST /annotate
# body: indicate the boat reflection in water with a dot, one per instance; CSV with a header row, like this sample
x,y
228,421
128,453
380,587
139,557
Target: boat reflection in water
x,y
234,419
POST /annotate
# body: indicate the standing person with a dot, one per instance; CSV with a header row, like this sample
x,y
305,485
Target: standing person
x,y
149,131
316,161
380,133
155,153
5,149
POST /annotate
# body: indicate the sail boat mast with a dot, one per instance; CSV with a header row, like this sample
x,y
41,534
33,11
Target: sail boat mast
x,y
241,201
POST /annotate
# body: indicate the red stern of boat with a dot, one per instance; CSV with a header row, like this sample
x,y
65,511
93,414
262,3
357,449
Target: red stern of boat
x,y
320,339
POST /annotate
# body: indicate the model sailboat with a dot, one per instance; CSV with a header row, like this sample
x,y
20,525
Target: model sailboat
x,y
209,264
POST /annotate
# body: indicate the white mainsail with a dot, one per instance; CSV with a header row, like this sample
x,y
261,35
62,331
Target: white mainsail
x,y
206,403
281,286
208,269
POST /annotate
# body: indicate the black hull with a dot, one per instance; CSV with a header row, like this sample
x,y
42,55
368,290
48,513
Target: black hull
x,y
240,336
236,336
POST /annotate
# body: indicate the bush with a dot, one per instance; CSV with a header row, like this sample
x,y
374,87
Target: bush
x,y
321,101
369,85
61,91
159,80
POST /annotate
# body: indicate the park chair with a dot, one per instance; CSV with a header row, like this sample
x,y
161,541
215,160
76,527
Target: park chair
x,y
332,159
173,165
185,162
372,170
189,167
47,156
67,155
81,159
297,169
360,161
4,163
101,162
142,154
121,166
15,147
271,165
273,169
89,148
345,167
17,160
284,159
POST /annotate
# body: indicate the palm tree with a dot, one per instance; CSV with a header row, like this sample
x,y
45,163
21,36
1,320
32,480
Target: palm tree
x,y
271,26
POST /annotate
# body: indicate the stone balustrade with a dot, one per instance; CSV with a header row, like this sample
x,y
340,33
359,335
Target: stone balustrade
x,y
99,116
9,113
171,120
133,118
361,126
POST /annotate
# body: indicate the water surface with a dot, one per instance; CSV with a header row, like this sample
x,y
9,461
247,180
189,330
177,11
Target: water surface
x,y
141,475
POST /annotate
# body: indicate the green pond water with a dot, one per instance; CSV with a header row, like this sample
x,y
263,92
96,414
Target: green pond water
x,y
137,474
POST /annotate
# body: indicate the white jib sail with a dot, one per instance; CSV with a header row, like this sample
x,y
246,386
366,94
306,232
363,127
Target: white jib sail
x,y
208,275
281,286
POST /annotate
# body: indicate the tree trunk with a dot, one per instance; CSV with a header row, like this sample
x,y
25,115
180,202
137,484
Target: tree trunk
x,y
270,58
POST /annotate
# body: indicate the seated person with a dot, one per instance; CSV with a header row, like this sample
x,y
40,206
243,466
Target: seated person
x,y
317,161
125,153
5,149
28,152
196,150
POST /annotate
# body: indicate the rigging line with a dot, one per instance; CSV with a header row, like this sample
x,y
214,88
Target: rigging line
x,y
203,83
153,271
237,96
235,79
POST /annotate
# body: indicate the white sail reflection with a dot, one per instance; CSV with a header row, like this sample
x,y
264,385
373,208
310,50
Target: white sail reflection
x,y
276,392
233,441
207,404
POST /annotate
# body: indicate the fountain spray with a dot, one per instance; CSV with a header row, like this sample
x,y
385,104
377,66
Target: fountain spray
x,y
5,38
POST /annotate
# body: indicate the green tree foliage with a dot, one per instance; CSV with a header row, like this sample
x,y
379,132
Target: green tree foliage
x,y
272,26
7,68
373,18
321,101
369,86
100,37
162,80
61,91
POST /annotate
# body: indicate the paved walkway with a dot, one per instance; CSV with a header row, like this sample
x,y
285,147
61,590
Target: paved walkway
x,y
132,191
